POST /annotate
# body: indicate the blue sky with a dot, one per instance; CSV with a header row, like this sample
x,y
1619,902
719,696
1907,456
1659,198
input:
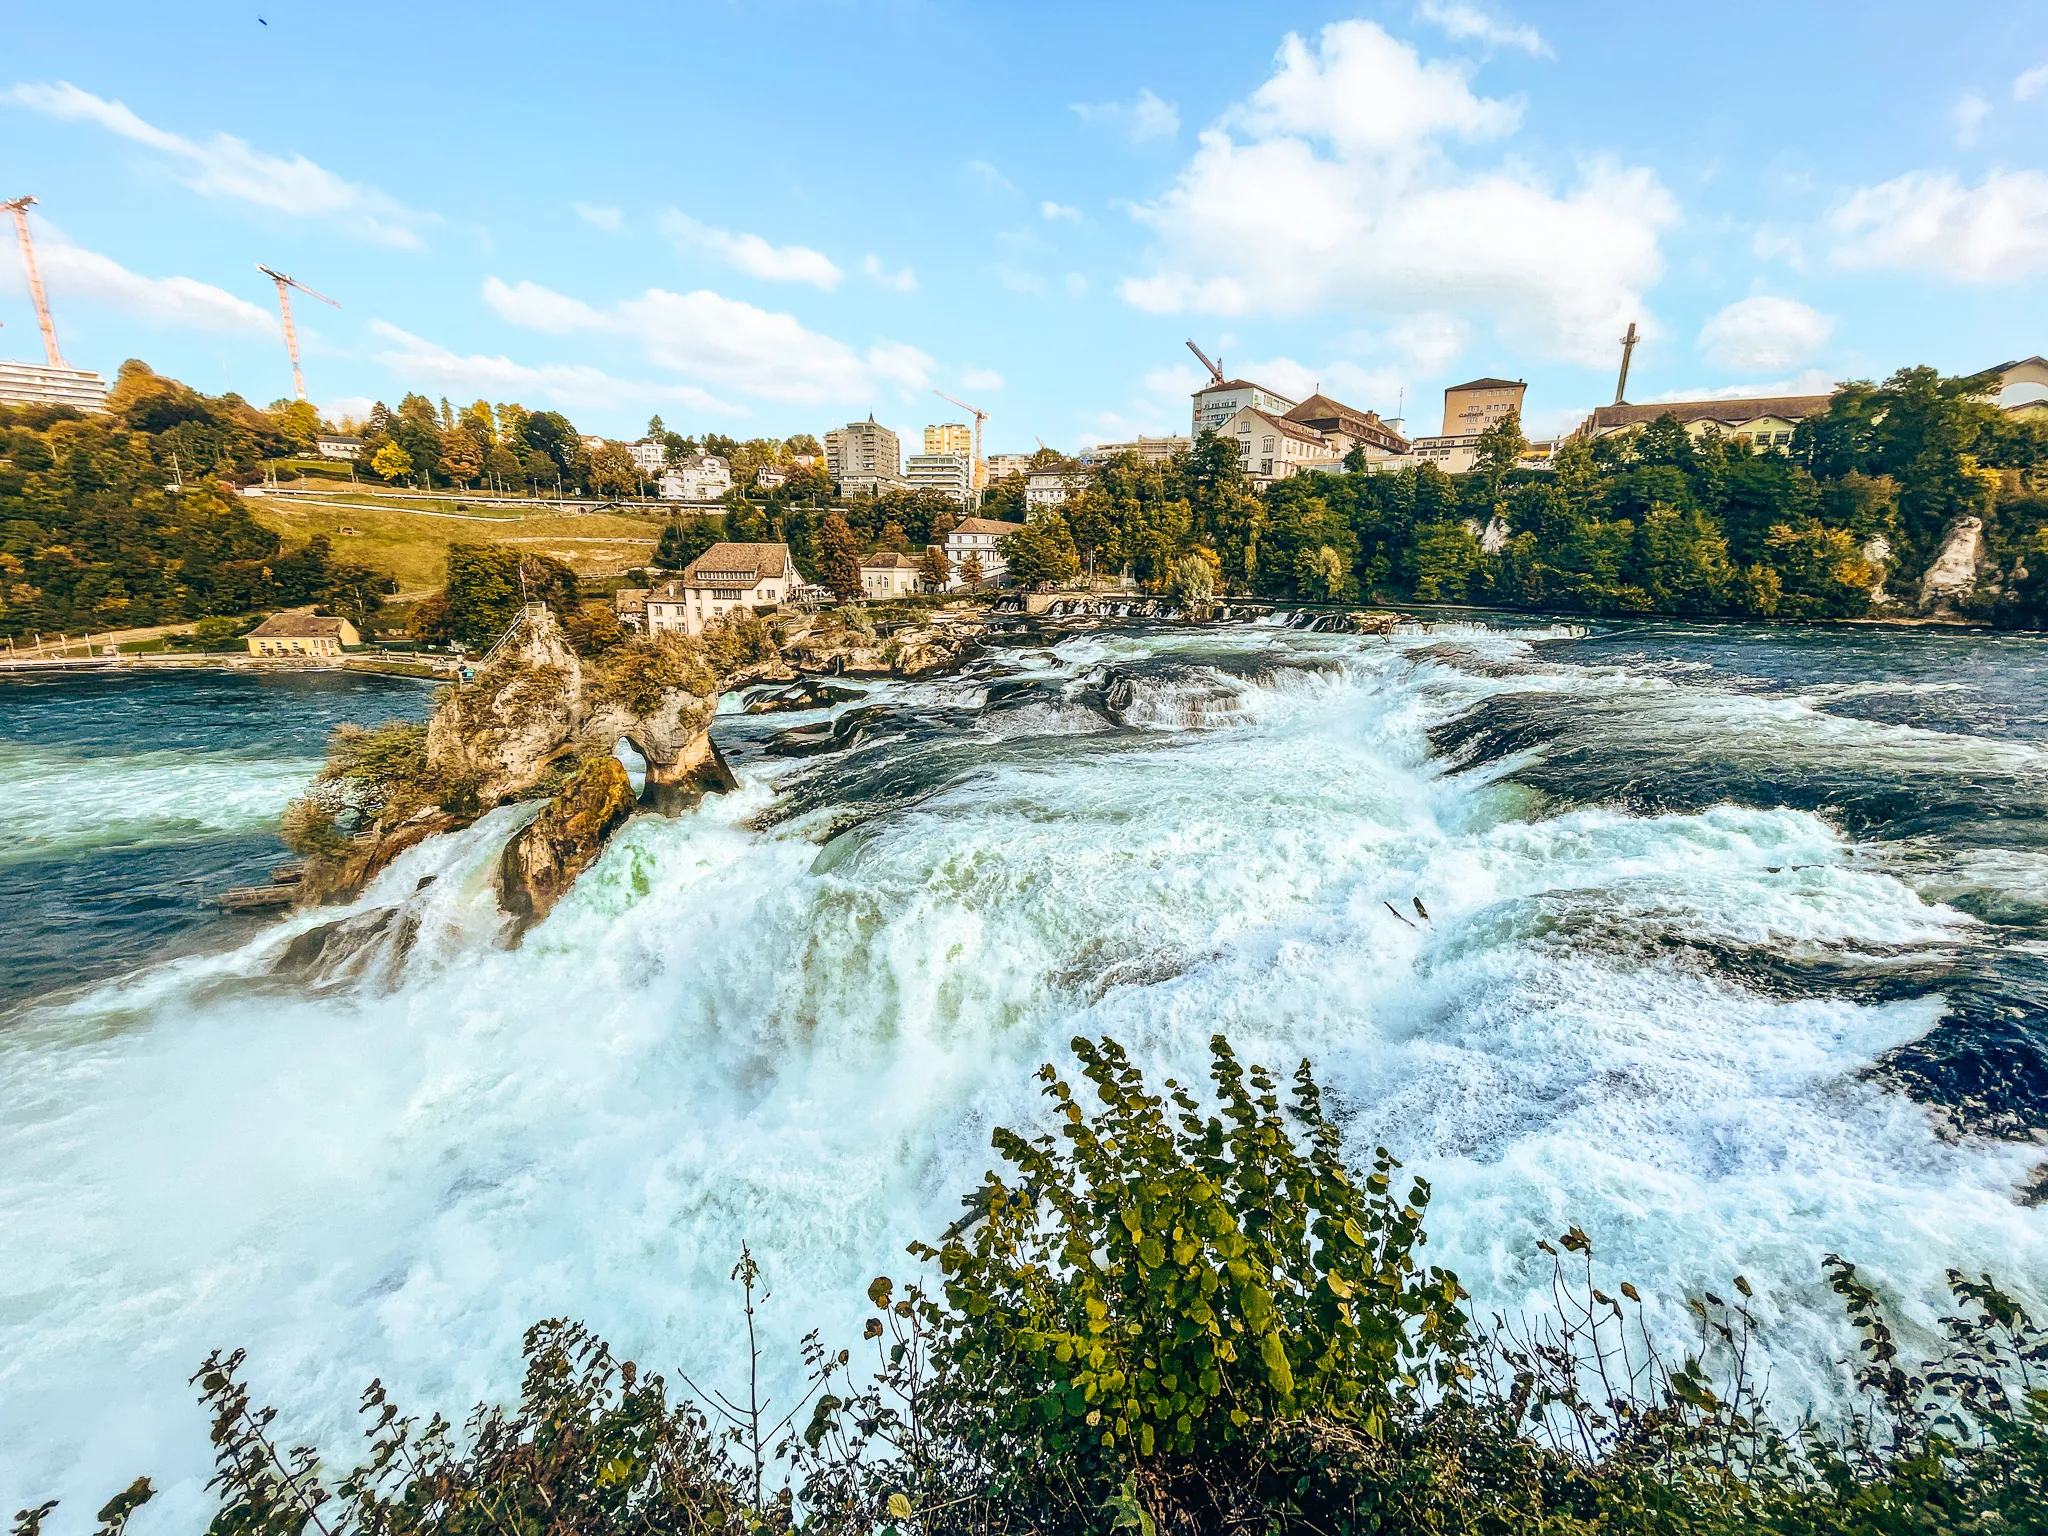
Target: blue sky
x,y
769,217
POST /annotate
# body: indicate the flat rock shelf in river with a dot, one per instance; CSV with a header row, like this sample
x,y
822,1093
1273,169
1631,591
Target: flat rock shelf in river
x,y
1733,957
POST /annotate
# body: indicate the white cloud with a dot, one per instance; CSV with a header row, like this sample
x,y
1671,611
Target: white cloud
x,y
987,174
1429,341
2027,86
602,216
347,408
71,272
1763,334
1053,210
1077,285
1019,282
1146,117
572,384
1996,231
227,167
981,378
542,309
1968,116
727,342
1349,136
903,280
1468,23
753,255
1768,244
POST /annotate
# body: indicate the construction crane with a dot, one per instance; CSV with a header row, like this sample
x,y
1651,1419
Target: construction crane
x,y
284,303
19,207
1628,348
979,415
1215,369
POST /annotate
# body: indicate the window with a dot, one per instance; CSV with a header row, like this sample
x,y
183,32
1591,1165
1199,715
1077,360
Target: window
x,y
1267,445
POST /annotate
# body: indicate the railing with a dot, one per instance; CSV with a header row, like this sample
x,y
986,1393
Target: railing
x,y
526,615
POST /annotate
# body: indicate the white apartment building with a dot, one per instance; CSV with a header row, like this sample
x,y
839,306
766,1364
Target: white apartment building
x,y
1272,447
950,474
980,538
703,478
1218,403
864,456
726,577
41,384
649,456
1153,450
1051,484
887,574
330,446
1001,465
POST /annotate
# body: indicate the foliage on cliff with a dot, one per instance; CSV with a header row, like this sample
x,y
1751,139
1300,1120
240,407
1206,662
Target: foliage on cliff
x,y
1175,1319
93,533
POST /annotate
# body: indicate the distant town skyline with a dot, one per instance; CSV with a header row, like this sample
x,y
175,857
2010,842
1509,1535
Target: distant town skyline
x,y
781,219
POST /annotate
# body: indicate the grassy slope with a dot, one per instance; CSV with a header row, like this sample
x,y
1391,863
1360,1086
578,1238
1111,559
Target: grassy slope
x,y
413,545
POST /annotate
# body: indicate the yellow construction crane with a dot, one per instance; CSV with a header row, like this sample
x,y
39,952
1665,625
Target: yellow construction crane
x,y
19,207
284,303
980,464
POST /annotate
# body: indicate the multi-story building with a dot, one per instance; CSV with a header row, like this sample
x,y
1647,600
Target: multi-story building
x,y
1469,409
1215,404
650,455
950,474
1001,465
1272,447
768,476
886,574
1153,450
1344,428
1764,423
950,437
979,538
864,456
703,478
301,632
333,446
1050,485
41,384
722,580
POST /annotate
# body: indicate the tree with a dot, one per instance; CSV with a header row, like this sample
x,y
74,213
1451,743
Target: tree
x,y
971,573
487,583
1194,577
392,462
838,557
1041,553
1500,449
684,540
612,471
936,569
462,457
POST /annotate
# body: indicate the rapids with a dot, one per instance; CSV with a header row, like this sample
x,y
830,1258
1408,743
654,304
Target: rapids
x,y
1734,958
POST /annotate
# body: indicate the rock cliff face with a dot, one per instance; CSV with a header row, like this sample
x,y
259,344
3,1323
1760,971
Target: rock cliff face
x,y
1955,571
541,722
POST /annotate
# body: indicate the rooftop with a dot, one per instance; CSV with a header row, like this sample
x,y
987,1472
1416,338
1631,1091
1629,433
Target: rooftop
x,y
744,563
888,560
985,525
1488,384
297,624
1607,418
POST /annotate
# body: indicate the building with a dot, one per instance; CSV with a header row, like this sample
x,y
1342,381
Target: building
x,y
979,537
704,478
650,456
1470,408
950,474
1216,404
40,384
2023,387
1049,485
1153,450
302,632
1763,423
950,437
329,446
1343,428
1001,465
722,580
864,456
768,476
1272,447
887,574
629,607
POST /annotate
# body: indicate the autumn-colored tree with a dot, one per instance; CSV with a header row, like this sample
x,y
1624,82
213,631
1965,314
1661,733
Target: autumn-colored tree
x,y
612,471
935,570
462,456
392,462
971,573
838,557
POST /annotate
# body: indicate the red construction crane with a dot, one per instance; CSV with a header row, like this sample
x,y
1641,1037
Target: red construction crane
x,y
19,207
1215,369
284,303
980,464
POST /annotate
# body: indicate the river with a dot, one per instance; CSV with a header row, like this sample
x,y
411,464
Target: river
x,y
1736,955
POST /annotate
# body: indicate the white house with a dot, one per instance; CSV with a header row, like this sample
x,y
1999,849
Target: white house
x,y
768,476
886,574
979,537
704,478
1051,484
1216,404
1272,447
649,455
334,446
726,577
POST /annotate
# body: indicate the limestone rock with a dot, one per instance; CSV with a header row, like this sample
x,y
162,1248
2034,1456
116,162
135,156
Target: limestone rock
x,y
545,856
1955,569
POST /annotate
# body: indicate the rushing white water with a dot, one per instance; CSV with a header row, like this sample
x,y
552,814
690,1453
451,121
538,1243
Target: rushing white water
x,y
728,1033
